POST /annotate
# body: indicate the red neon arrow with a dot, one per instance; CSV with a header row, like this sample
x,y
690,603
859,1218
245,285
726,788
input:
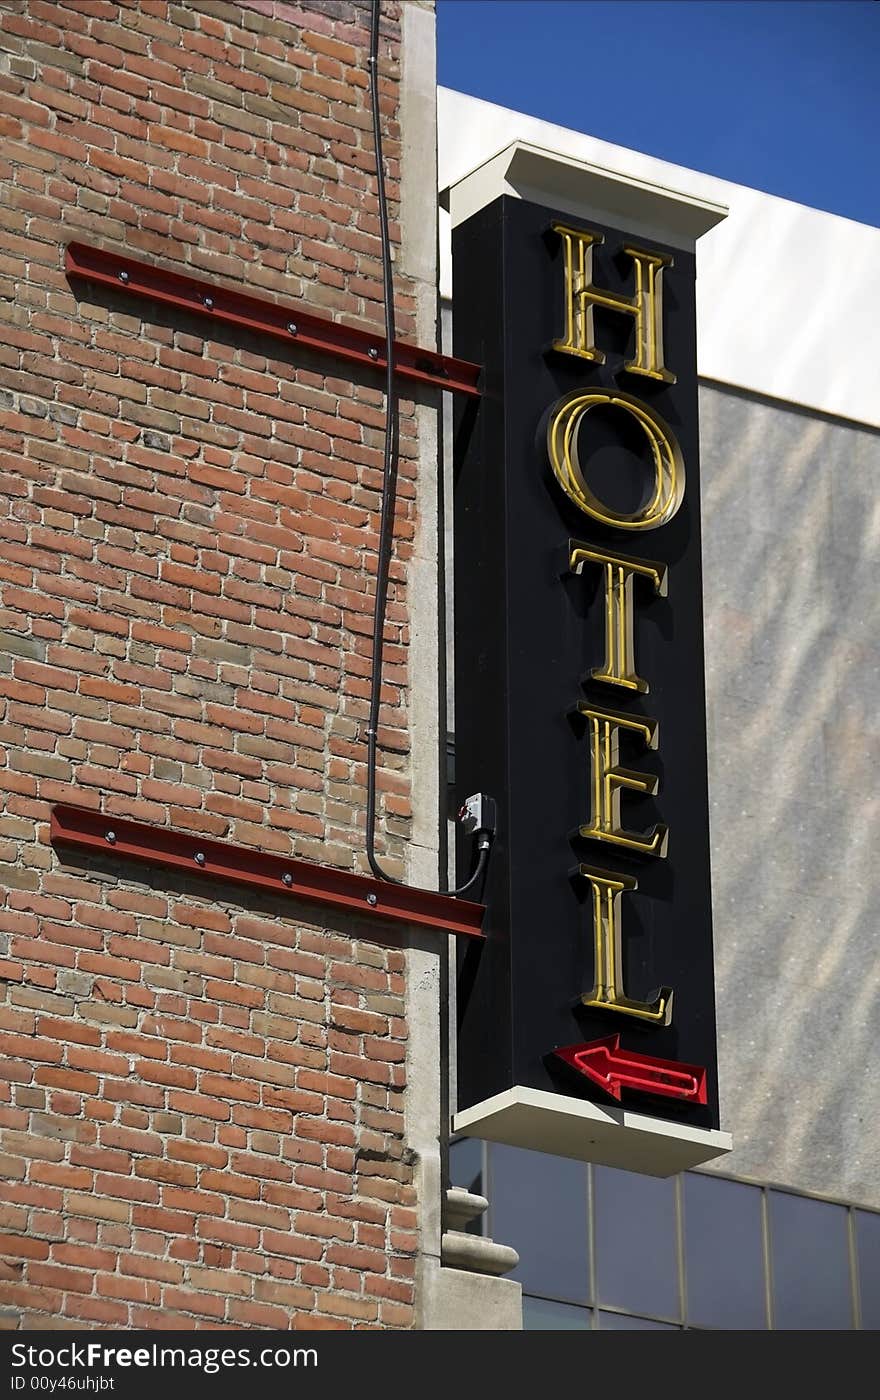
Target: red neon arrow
x,y
614,1069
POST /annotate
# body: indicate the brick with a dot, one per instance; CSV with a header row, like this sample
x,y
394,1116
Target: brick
x,y
19,1248
185,628
97,1209
55,1276
161,1270
253,1314
200,1305
99,1310
62,1175
365,1309
171,1222
14,644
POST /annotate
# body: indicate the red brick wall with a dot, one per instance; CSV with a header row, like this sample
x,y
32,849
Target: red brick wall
x,y
201,1092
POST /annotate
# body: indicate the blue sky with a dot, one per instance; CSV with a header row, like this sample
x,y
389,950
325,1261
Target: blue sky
x,y
783,95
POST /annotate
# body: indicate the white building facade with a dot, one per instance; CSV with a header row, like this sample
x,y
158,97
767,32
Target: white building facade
x,y
782,1231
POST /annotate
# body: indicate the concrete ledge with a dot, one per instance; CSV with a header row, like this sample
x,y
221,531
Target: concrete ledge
x,y
585,191
611,1137
462,1207
451,1300
476,1254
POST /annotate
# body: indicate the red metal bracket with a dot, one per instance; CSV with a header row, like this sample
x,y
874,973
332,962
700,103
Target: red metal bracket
x,y
258,870
289,323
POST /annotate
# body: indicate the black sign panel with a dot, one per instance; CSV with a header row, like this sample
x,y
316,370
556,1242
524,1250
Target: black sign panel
x,y
530,634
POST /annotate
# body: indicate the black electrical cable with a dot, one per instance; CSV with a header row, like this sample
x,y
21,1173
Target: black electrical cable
x,y
389,489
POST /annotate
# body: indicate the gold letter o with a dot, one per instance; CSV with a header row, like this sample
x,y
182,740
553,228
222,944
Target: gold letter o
x,y
562,440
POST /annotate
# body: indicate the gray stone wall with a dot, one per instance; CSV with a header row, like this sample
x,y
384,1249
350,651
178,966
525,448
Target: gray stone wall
x,y
791,539
445,1297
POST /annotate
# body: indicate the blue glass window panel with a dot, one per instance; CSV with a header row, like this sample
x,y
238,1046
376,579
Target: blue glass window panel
x,y
724,1253
625,1322
466,1164
538,1204
636,1263
810,1269
868,1253
542,1315
466,1169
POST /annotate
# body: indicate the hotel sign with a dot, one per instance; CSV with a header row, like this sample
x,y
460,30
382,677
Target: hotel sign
x,y
579,682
